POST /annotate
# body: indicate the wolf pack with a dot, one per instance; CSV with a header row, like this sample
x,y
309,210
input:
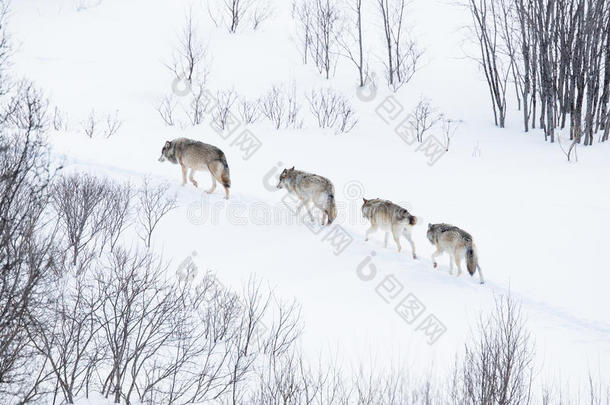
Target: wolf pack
x,y
313,190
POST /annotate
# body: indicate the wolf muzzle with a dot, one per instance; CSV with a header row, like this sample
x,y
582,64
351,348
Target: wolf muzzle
x,y
162,158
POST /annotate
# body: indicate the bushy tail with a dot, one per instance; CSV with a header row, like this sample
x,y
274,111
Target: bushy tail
x,y
471,259
412,220
331,208
225,177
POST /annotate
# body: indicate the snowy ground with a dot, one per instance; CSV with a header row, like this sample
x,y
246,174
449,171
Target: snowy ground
x,y
540,223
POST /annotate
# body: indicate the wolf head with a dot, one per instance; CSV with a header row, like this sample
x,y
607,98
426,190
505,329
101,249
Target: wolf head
x,y
365,207
430,233
283,177
168,153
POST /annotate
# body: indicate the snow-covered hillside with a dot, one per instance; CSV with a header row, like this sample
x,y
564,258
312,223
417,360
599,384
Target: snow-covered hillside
x,y
539,222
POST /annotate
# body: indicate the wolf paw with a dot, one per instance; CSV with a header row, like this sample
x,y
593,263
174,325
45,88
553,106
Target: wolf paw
x,y
414,256
435,265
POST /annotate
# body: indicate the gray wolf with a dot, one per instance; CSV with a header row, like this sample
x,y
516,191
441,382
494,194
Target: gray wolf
x,y
198,156
458,243
311,188
389,217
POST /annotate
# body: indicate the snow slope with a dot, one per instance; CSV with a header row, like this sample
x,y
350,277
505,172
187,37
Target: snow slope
x,y
540,223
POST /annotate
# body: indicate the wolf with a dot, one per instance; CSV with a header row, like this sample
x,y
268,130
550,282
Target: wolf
x,y
456,242
389,217
198,156
311,188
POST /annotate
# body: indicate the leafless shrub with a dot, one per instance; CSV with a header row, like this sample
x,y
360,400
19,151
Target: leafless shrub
x,y
331,110
83,209
120,206
64,332
83,5
222,110
190,60
498,364
26,109
153,205
113,124
281,107
249,111
422,118
90,124
198,106
260,14
231,14
450,126
166,109
60,120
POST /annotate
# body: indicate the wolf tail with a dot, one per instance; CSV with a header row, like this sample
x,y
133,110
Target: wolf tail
x,y
225,177
331,208
471,259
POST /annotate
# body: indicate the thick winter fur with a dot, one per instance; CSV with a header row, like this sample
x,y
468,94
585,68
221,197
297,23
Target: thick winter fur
x,y
459,245
389,217
198,156
311,188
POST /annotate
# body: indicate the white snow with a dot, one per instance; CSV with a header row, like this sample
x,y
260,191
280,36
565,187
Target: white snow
x,y
540,224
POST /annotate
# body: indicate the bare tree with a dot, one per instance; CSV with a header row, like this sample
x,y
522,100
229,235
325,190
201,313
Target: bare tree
x,y
498,364
90,124
422,119
113,124
190,61
224,103
27,249
64,331
352,43
232,14
83,209
331,110
166,109
403,55
198,105
281,107
153,205
450,126
303,14
325,25
249,111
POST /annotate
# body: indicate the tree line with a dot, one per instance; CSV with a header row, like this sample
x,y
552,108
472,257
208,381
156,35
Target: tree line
x,y
555,54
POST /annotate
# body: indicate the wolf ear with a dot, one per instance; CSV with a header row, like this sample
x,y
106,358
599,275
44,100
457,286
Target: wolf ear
x,y
429,225
365,200
291,170
168,144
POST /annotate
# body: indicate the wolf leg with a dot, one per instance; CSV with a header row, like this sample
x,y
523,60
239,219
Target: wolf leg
x,y
183,174
396,231
369,231
387,235
305,203
435,255
408,236
481,279
451,264
458,260
192,179
211,190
